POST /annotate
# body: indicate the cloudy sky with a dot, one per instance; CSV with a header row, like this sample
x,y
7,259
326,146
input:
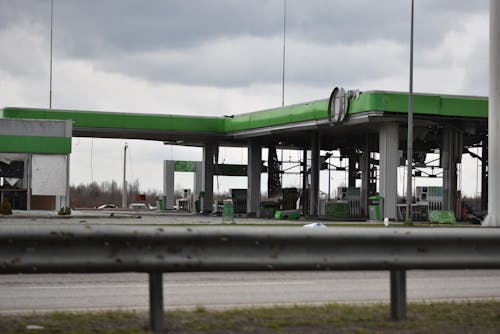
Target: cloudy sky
x,y
216,57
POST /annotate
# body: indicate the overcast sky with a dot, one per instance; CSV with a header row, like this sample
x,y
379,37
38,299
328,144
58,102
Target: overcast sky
x,y
211,57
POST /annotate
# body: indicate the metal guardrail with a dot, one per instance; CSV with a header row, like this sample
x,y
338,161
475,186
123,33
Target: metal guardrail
x,y
158,250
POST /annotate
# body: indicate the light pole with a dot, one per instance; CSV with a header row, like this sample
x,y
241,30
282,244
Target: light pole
x,y
409,150
50,65
284,52
124,189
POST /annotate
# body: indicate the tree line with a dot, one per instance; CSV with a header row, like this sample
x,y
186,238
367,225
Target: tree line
x,y
94,194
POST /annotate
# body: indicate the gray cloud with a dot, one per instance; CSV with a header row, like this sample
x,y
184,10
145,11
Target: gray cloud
x,y
148,25
200,42
222,57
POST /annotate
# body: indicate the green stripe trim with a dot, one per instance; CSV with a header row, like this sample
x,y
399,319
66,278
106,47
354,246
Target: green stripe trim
x,y
279,116
27,144
110,120
436,105
391,102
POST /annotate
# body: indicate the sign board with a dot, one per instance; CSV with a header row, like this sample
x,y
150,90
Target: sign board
x,y
184,166
231,170
220,169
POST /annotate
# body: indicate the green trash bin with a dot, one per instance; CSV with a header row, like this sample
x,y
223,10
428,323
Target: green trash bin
x,y
227,211
162,202
375,207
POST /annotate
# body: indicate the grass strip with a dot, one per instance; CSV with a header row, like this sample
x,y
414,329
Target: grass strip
x,y
435,317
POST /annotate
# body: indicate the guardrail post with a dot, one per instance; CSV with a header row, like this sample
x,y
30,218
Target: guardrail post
x,y
156,302
398,295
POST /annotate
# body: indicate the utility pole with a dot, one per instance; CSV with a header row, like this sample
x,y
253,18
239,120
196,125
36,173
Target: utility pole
x,y
409,150
50,69
124,189
283,81
284,53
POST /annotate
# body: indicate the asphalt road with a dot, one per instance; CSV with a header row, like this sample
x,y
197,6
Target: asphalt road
x,y
27,293
47,292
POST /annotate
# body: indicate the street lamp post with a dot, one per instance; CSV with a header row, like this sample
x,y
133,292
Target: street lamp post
x,y
50,66
409,150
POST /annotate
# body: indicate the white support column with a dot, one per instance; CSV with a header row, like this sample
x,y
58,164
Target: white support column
x,y
389,162
168,184
493,218
253,173
57,203
314,194
208,176
62,201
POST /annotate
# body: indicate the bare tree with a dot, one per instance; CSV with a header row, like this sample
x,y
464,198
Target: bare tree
x,y
92,195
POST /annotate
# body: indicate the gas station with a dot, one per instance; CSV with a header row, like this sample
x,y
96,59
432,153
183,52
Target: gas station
x,y
366,130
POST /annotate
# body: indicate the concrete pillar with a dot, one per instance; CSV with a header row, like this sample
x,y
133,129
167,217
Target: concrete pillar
x,y
389,162
253,173
168,184
62,201
364,166
493,218
315,165
58,200
209,151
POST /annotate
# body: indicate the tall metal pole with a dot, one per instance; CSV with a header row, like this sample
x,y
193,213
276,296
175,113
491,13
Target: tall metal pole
x,y
283,62
493,218
124,189
409,150
50,69
283,80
